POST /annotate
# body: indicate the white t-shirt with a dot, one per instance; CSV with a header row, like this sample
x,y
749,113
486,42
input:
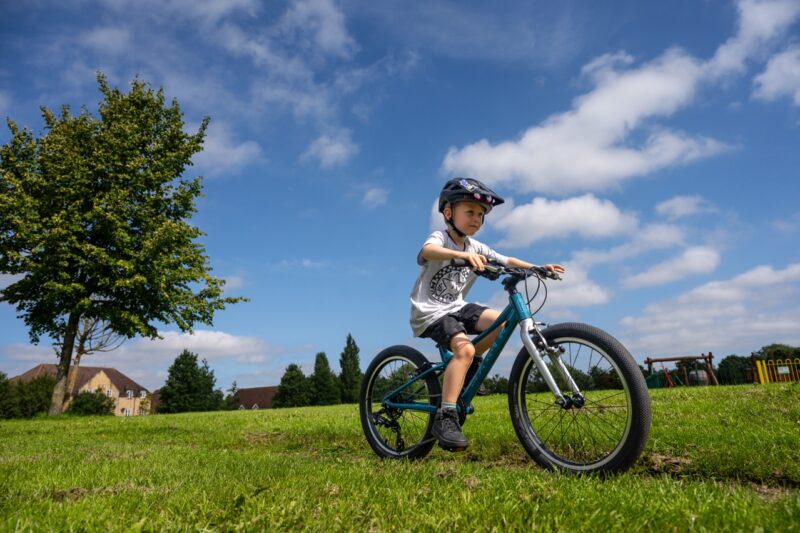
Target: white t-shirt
x,y
441,287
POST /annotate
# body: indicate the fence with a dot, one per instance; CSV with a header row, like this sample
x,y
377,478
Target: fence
x,y
777,370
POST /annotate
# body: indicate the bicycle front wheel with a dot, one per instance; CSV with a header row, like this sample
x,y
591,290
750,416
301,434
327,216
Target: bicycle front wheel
x,y
391,432
608,430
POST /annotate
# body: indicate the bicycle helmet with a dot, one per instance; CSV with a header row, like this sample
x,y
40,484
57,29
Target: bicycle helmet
x,y
462,189
467,189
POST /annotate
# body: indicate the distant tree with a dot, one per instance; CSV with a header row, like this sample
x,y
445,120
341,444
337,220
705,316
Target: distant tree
x,y
732,370
24,399
5,395
350,377
95,219
496,384
324,385
232,401
778,351
189,387
91,403
294,389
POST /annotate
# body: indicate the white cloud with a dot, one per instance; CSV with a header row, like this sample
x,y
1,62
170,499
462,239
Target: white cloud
x,y
781,77
108,40
790,224
759,23
684,206
222,154
323,20
740,315
645,239
693,261
585,215
332,150
233,282
301,263
592,146
8,279
374,197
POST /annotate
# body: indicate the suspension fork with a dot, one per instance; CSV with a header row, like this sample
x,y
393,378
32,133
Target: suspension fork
x,y
527,329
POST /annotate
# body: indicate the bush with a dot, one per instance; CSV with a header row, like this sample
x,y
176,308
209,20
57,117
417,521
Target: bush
x,y
732,370
91,403
23,399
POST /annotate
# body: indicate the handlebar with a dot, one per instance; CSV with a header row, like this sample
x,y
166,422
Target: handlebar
x,y
494,270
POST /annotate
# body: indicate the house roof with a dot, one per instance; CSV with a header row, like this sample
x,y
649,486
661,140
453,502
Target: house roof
x,y
256,396
85,373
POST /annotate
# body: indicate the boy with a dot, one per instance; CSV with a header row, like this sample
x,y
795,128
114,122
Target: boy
x,y
438,310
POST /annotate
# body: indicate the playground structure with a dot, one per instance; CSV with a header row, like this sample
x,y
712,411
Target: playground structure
x,y
696,376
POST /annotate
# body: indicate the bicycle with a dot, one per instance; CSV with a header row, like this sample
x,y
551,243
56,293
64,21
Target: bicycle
x,y
590,413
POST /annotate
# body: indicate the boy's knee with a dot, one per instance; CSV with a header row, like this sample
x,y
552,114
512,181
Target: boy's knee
x,y
463,349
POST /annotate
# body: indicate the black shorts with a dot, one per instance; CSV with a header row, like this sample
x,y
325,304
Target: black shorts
x,y
462,321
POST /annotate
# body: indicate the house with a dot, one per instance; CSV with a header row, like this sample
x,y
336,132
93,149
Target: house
x,y
130,398
256,397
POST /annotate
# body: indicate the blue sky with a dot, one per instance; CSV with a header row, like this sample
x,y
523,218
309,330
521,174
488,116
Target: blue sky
x,y
650,147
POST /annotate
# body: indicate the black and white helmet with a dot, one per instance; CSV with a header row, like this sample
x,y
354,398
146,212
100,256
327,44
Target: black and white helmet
x,y
462,189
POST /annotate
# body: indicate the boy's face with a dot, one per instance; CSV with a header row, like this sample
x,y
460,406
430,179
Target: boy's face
x,y
467,216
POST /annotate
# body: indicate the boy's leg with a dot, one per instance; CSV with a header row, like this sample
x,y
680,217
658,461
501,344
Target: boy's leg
x,y
487,319
463,352
446,428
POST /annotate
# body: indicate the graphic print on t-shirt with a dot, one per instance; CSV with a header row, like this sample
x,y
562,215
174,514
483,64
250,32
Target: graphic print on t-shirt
x,y
448,283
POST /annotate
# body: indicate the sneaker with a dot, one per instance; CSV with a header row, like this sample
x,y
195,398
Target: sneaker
x,y
447,431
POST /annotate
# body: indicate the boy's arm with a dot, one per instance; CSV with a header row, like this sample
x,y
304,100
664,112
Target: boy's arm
x,y
434,252
513,262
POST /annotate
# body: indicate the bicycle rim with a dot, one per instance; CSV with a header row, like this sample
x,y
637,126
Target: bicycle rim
x,y
581,438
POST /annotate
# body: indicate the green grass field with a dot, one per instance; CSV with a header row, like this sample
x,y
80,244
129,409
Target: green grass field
x,y
719,458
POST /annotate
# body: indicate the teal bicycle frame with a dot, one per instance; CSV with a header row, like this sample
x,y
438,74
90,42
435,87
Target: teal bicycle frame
x,y
517,313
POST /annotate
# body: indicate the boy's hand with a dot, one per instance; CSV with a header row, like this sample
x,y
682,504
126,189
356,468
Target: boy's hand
x,y
477,261
555,268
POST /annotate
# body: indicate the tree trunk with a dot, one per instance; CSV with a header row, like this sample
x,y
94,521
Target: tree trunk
x,y
60,390
87,331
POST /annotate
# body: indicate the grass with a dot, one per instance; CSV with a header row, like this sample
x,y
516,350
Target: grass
x,y
719,458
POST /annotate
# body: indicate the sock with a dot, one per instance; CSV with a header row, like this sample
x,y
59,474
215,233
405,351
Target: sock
x,y
447,405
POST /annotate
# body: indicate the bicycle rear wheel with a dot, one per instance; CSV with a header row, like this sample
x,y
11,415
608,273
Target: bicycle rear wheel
x,y
608,432
398,433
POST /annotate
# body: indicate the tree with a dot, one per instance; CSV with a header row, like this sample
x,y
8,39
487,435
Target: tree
x,y
778,351
324,385
24,399
732,370
232,401
91,403
350,377
94,219
189,387
496,384
93,336
293,390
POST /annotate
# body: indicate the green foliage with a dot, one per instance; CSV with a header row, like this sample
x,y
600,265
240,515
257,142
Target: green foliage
x,y
24,399
189,387
496,384
324,385
732,370
350,377
232,401
294,389
91,403
778,351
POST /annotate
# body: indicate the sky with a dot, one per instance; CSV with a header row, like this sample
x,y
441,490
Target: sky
x,y
650,147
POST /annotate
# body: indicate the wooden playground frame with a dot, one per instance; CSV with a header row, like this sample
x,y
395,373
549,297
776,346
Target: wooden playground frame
x,y
707,359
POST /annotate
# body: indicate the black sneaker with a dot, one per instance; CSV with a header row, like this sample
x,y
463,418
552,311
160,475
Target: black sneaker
x,y
447,431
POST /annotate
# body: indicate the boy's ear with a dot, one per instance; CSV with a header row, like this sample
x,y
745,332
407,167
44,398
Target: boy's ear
x,y
447,212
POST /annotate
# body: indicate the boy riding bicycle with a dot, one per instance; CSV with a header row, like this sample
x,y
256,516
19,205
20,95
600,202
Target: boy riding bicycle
x,y
438,309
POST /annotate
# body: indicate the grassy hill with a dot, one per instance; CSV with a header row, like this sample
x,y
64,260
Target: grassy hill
x,y
718,458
